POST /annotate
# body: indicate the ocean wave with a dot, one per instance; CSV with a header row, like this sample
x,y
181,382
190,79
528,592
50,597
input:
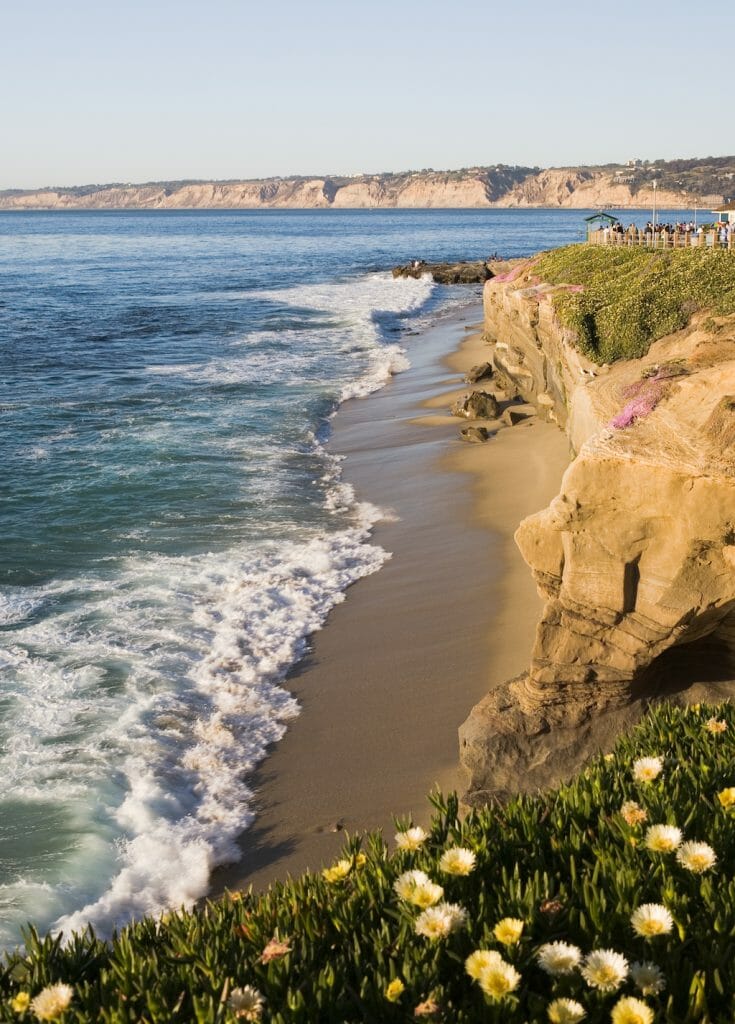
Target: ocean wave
x,y
165,754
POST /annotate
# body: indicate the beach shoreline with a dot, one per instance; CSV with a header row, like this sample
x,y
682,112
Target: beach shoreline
x,y
400,663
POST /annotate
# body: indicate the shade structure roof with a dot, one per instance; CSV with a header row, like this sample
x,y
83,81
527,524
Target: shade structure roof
x,y
601,216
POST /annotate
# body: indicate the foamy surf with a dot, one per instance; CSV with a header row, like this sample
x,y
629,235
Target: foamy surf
x,y
147,688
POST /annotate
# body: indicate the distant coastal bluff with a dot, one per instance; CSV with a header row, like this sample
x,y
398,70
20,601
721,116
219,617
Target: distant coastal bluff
x,y
672,184
635,557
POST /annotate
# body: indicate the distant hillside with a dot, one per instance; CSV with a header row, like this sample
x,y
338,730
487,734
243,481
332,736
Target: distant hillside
x,y
708,181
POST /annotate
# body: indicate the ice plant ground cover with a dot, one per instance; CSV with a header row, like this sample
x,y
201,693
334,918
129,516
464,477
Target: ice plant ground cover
x,y
632,297
566,906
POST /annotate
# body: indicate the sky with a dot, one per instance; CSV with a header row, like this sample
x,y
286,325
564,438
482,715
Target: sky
x,y
151,90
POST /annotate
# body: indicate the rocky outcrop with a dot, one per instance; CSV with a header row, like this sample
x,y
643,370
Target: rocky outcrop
x,y
635,557
475,435
483,371
464,272
479,405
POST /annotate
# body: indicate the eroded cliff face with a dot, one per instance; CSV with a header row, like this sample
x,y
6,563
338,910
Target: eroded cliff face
x,y
635,557
576,188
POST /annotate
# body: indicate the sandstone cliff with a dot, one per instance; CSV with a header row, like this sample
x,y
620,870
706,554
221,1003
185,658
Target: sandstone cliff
x,y
499,186
635,557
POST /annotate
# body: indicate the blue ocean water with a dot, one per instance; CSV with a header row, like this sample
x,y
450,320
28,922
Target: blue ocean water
x,y
173,528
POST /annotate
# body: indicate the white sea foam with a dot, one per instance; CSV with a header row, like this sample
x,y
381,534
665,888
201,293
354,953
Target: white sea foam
x,y
166,754
144,697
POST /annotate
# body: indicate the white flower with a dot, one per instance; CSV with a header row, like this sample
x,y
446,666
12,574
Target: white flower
x,y
457,860
662,838
405,884
246,1002
630,1010
651,919
696,857
498,980
51,1002
558,957
605,969
646,769
565,1011
476,962
411,839
416,887
440,921
648,978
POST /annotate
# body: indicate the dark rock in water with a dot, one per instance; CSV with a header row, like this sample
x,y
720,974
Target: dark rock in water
x,y
447,273
475,435
479,372
513,416
480,405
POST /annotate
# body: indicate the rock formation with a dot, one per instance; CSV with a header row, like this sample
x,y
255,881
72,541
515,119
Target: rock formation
x,y
635,557
483,371
464,272
479,405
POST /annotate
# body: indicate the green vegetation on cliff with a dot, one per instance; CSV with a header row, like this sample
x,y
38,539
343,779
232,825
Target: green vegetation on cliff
x,y
612,899
632,297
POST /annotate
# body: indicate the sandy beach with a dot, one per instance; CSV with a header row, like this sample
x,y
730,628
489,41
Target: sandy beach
x,y
401,662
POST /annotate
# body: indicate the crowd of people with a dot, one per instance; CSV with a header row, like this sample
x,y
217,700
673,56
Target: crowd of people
x,y
725,232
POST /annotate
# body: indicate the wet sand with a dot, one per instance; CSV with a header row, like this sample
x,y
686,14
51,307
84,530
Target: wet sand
x,y
400,663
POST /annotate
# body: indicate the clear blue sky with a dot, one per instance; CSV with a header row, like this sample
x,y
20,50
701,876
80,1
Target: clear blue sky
x,y
96,92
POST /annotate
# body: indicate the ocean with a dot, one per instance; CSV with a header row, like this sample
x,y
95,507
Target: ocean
x,y
174,527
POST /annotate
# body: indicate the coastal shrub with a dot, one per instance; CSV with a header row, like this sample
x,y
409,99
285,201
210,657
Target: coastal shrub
x,y
611,898
632,297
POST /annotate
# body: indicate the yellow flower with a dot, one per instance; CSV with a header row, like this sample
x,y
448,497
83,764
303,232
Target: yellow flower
x,y
21,1002
630,1010
337,872
715,726
360,860
508,931
476,962
52,1001
498,980
727,796
394,991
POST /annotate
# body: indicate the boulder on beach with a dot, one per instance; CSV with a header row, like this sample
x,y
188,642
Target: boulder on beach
x,y
482,371
479,405
512,416
475,435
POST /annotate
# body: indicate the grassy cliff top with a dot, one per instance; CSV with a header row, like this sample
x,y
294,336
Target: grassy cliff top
x,y
612,897
633,297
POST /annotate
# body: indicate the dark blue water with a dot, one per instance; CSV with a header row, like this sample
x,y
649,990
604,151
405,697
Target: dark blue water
x,y
172,526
